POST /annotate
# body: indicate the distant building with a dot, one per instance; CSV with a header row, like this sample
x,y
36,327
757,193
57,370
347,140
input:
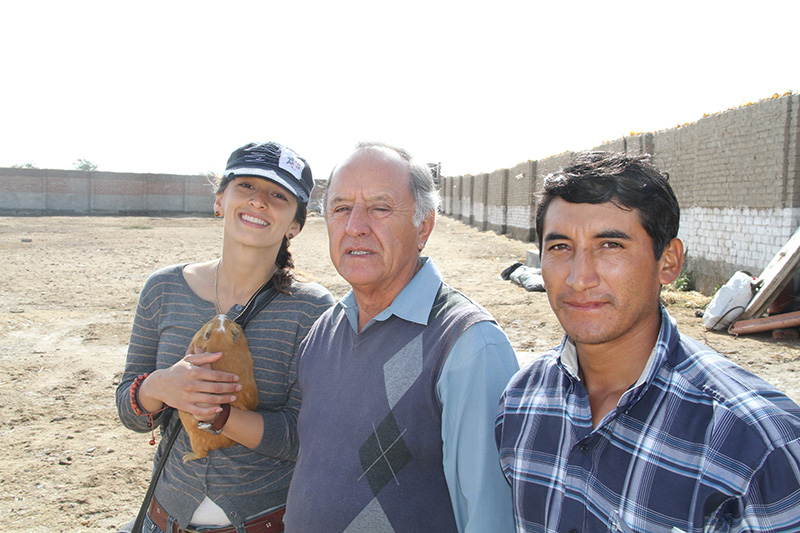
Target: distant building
x,y
436,170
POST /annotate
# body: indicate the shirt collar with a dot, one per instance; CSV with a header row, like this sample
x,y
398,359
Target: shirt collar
x,y
414,302
668,330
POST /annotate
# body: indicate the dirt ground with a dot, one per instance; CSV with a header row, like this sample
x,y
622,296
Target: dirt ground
x,y
68,291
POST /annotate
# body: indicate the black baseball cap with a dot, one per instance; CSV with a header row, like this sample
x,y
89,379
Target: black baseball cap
x,y
275,163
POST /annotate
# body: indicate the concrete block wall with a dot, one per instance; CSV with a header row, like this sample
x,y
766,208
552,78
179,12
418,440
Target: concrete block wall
x,y
466,199
445,185
75,192
618,145
521,214
720,241
554,163
736,175
456,192
641,143
480,201
792,150
732,158
497,201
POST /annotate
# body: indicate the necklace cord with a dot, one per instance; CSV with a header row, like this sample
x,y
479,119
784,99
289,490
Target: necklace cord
x,y
249,302
216,276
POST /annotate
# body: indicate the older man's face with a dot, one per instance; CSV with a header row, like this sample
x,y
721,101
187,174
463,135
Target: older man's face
x,y
373,241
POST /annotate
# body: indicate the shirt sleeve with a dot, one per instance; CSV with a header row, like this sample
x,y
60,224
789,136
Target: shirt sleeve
x,y
142,355
279,438
773,496
472,381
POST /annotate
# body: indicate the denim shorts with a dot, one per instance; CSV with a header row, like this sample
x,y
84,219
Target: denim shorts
x,y
147,526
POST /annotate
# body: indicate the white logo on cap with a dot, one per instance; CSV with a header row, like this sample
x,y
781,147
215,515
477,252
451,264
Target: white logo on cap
x,y
291,164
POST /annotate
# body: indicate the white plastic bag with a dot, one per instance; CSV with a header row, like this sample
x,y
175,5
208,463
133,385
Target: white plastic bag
x,y
729,302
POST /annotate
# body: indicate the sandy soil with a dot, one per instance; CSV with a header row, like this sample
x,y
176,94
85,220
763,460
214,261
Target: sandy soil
x,y
67,295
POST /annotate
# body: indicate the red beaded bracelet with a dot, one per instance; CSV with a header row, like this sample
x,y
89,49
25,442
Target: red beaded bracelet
x,y
134,386
138,410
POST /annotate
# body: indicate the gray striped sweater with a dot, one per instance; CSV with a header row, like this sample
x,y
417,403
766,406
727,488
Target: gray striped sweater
x,y
243,482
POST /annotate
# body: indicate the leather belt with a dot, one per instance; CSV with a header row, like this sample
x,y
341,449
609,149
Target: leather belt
x,y
268,523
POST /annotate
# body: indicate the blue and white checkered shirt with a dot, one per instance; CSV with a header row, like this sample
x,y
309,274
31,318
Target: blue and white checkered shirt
x,y
696,444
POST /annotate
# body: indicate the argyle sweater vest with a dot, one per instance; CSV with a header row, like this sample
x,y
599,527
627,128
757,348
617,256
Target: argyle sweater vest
x,y
370,423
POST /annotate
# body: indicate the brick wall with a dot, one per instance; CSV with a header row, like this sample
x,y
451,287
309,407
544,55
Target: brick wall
x,y
497,201
445,184
521,214
456,195
73,192
480,199
736,175
466,199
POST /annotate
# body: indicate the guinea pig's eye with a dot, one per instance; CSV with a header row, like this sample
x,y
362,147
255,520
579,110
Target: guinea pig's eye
x,y
207,334
236,333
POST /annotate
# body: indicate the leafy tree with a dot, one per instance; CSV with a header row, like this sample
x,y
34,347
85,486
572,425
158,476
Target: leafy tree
x,y
85,164
29,164
212,177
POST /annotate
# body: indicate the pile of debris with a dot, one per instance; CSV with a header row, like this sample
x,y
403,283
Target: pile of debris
x,y
740,305
528,277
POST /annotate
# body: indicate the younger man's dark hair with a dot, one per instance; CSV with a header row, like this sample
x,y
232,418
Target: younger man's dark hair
x,y
627,181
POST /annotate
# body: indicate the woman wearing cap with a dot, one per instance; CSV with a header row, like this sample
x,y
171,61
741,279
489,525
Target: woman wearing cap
x,y
263,197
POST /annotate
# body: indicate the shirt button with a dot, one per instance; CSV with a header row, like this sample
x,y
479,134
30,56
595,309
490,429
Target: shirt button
x,y
233,514
237,307
573,531
584,449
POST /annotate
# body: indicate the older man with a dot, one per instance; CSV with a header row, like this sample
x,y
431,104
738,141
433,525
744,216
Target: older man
x,y
400,381
628,425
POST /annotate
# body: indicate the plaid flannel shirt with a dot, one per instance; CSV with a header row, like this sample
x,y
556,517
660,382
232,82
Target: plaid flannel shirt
x,y
697,444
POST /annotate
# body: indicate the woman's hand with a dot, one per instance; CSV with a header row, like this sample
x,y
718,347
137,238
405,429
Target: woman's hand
x,y
190,385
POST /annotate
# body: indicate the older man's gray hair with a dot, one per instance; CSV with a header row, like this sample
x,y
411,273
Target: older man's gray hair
x,y
423,188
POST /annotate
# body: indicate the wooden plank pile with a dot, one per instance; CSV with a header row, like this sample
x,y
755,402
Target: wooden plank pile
x,y
769,286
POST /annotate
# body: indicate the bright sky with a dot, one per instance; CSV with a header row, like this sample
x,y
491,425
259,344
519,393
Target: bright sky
x,y
175,86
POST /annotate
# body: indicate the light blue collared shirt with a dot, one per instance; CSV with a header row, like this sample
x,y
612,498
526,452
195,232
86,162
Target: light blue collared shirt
x,y
474,375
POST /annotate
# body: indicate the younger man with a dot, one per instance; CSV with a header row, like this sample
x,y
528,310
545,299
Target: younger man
x,y
629,425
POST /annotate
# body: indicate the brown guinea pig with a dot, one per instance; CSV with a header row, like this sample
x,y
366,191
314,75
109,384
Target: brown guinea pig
x,y
221,334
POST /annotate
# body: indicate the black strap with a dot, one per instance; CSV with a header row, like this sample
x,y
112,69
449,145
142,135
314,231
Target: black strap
x,y
254,305
137,525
